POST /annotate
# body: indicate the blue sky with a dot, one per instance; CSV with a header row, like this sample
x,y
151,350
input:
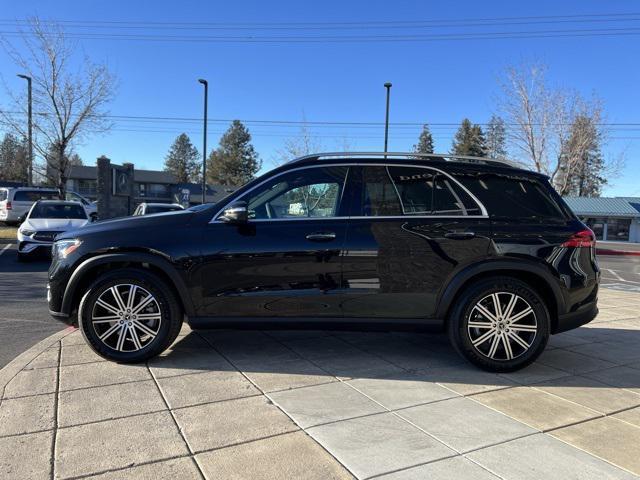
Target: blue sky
x,y
433,82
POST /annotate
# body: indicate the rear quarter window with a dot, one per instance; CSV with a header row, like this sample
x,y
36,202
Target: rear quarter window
x,y
515,196
3,195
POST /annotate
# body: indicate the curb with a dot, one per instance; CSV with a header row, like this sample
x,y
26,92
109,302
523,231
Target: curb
x,y
16,365
606,251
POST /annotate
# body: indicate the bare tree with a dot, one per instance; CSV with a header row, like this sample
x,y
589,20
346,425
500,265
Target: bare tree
x,y
528,109
304,143
551,129
69,103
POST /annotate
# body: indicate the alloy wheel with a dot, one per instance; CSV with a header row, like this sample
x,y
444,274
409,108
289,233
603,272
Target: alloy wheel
x,y
126,317
502,326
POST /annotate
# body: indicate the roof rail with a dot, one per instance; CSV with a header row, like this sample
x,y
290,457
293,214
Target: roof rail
x,y
435,156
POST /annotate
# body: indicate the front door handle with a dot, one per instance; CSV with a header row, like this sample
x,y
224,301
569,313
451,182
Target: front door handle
x,y
459,235
321,236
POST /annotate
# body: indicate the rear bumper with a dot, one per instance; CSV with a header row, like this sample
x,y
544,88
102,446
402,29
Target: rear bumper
x,y
583,315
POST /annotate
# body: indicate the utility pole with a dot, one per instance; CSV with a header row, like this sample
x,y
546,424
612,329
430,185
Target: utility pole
x,y
386,122
204,141
30,128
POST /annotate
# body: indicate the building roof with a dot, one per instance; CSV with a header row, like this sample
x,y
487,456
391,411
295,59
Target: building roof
x,y
604,206
84,172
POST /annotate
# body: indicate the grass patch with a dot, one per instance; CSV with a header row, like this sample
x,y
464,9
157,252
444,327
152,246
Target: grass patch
x,y
8,233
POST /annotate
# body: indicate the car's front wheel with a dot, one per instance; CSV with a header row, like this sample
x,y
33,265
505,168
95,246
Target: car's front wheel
x,y
129,316
500,324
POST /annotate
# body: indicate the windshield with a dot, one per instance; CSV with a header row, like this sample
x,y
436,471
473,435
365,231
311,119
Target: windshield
x,y
63,211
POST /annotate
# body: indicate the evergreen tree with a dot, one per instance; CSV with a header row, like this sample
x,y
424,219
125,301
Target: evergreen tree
x,y
56,172
14,159
235,161
496,138
581,160
183,160
425,141
469,140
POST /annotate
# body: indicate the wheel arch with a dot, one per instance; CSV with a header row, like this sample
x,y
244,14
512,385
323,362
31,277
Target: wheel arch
x,y
91,268
536,276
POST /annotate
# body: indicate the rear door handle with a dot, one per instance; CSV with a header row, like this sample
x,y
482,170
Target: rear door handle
x,y
321,236
459,235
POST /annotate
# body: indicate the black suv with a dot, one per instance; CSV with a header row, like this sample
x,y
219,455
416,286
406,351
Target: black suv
x,y
478,247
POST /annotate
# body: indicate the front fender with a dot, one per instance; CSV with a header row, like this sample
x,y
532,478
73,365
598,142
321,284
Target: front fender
x,y
138,257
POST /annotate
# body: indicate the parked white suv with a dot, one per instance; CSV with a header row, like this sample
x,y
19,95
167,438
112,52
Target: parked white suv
x,y
45,220
16,202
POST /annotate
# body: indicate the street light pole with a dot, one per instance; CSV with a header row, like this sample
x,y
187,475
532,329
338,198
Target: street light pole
x,y
386,122
204,141
30,127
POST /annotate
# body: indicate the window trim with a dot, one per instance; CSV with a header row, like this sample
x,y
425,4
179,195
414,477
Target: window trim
x,y
216,217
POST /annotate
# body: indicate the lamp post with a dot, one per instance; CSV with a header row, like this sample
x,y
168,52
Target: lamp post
x,y
204,141
386,122
30,127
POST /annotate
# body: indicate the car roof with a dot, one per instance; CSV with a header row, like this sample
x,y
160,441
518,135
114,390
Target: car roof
x,y
162,204
58,202
460,162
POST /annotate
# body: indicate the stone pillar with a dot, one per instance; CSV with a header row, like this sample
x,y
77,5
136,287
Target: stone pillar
x,y
104,183
115,195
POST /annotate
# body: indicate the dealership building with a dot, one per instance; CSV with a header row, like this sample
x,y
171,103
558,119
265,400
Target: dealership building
x,y
614,219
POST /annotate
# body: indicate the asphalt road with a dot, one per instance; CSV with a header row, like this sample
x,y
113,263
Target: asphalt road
x,y
25,320
620,272
24,316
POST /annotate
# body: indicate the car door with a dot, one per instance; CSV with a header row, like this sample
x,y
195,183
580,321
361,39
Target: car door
x,y
286,260
412,227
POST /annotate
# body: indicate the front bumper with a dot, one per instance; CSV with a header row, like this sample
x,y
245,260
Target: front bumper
x,y
29,247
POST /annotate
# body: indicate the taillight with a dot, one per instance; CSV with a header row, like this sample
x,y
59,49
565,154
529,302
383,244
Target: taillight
x,y
8,206
583,238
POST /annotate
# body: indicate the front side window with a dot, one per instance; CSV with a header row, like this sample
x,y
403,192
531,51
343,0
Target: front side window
x,y
413,191
305,193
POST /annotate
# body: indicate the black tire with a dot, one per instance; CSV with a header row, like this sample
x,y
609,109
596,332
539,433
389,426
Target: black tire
x,y
170,314
460,332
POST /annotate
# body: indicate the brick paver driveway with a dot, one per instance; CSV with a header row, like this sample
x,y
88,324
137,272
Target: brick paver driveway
x,y
321,405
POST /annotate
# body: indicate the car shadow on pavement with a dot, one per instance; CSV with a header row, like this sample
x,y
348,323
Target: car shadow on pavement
x,y
596,357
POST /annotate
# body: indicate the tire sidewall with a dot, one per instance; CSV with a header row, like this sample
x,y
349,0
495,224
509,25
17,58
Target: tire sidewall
x,y
458,323
170,320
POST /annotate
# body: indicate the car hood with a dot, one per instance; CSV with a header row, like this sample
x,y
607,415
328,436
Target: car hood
x,y
54,224
160,220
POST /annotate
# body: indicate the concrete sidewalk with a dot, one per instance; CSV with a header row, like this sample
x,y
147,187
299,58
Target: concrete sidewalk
x,y
318,405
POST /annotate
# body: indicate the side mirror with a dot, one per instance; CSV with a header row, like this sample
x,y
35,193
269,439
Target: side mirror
x,y
236,213
21,219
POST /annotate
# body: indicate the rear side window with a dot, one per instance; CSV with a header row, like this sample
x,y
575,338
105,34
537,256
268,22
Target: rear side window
x,y
3,195
34,195
513,196
410,191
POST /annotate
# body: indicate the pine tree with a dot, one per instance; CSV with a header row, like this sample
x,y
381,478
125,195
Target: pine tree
x,y
14,159
425,141
182,160
581,161
235,161
496,138
469,140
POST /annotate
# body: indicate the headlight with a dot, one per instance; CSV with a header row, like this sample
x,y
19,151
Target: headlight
x,y
64,248
27,232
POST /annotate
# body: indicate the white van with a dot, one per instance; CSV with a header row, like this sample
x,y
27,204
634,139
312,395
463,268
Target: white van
x,y
16,202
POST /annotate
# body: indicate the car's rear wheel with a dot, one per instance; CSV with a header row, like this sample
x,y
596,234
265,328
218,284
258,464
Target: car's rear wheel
x,y
500,324
129,316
